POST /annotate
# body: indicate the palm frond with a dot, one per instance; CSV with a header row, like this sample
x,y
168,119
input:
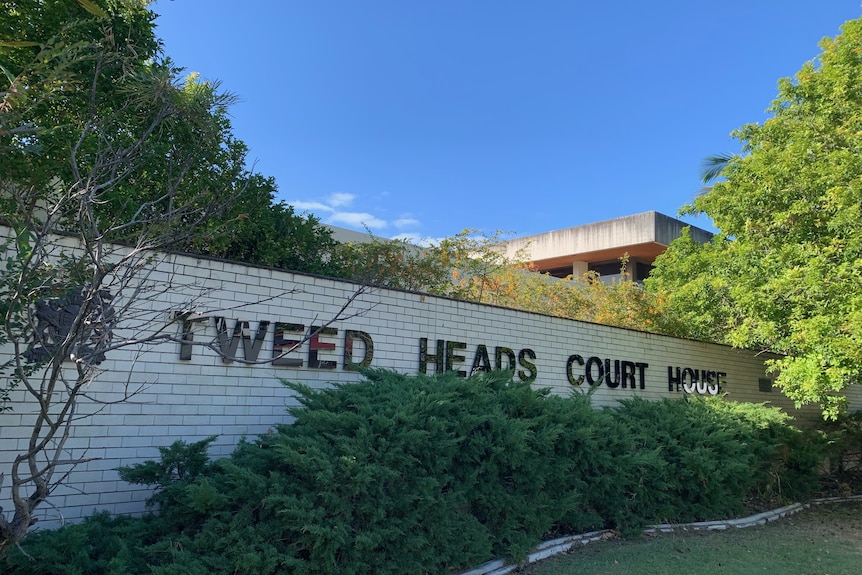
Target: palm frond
x,y
713,165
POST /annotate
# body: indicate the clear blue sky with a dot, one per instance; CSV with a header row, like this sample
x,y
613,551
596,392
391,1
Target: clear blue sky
x,y
425,117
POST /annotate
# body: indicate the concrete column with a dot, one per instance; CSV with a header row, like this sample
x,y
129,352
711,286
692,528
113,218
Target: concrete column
x,y
579,269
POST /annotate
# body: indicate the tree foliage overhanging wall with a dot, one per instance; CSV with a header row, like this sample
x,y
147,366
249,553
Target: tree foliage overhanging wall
x,y
93,101
785,273
103,141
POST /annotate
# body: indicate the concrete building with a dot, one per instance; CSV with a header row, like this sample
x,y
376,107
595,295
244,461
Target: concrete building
x,y
599,246
345,235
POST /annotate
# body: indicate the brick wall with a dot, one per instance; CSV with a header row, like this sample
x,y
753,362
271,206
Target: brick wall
x,y
204,395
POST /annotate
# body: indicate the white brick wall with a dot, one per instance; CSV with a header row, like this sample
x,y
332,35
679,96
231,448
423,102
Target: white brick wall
x,y
203,396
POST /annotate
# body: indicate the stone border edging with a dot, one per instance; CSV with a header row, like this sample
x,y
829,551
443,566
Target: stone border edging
x,y
564,544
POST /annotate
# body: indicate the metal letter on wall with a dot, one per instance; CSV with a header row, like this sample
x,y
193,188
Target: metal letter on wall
x,y
350,336
283,345
228,343
315,346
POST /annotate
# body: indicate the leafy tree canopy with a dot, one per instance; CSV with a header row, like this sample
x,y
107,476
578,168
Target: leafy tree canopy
x,y
101,138
91,96
472,266
785,273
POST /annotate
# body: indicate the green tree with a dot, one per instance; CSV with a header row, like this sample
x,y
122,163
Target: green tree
x,y
392,263
108,157
92,104
258,230
99,141
464,266
471,266
621,302
785,273
82,92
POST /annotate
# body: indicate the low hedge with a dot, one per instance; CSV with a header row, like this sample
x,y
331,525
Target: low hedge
x,y
427,474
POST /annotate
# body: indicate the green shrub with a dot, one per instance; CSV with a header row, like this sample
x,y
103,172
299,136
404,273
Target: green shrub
x,y
704,457
180,464
420,474
99,545
788,458
397,475
843,442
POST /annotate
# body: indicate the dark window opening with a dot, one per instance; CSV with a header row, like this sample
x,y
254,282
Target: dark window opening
x,y
611,268
641,271
559,272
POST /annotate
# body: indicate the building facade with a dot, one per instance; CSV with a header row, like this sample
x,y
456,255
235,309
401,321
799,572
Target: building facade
x,y
598,247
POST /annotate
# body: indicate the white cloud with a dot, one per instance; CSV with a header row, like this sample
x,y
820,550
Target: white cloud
x,y
412,238
432,241
332,210
406,222
417,240
340,199
311,207
356,219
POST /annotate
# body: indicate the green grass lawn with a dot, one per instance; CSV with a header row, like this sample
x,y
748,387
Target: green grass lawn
x,y
825,540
